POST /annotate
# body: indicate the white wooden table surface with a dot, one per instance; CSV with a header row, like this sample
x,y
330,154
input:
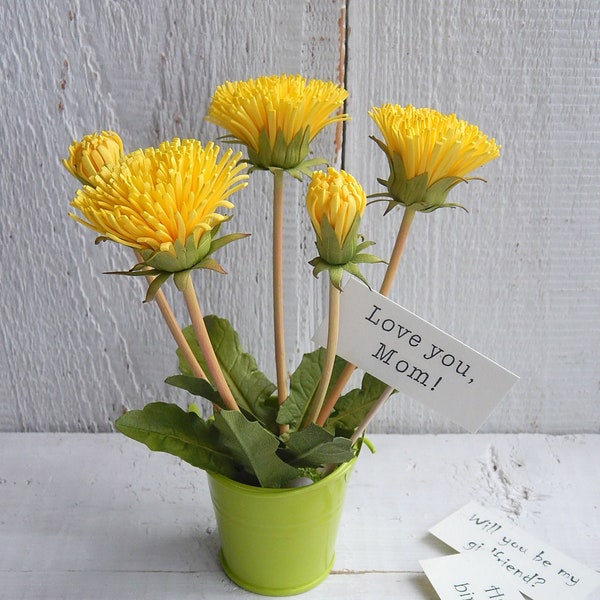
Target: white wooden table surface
x,y
90,516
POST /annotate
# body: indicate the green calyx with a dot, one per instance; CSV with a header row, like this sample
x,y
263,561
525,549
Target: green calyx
x,y
162,265
287,156
337,258
414,192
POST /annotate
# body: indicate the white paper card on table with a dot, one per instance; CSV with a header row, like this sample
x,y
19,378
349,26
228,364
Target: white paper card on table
x,y
415,357
467,577
538,570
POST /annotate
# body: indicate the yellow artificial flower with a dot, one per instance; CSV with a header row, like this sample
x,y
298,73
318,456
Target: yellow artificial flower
x,y
429,153
94,151
336,197
277,116
162,201
335,202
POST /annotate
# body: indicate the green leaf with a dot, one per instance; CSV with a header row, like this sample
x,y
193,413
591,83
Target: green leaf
x,y
254,448
303,385
251,389
352,407
197,387
168,428
314,446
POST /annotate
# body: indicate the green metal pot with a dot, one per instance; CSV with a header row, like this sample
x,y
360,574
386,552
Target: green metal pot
x,y
279,542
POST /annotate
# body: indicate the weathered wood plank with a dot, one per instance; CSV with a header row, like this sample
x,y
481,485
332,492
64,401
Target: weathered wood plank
x,y
102,514
146,70
518,277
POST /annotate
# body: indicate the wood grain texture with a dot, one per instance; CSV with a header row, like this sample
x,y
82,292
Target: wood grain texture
x,y
101,517
78,347
518,278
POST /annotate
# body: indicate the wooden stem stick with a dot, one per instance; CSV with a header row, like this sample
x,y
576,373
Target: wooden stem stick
x,y
330,352
278,315
386,285
367,419
191,300
175,329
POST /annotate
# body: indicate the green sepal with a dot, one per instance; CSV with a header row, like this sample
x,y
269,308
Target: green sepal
x,y
353,269
329,246
254,449
185,256
337,258
155,285
226,239
168,428
282,155
305,168
413,193
188,257
313,446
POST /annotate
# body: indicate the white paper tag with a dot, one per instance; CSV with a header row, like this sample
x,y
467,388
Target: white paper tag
x,y
467,577
538,570
415,357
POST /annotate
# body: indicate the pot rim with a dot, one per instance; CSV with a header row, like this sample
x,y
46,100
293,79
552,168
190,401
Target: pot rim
x,y
341,470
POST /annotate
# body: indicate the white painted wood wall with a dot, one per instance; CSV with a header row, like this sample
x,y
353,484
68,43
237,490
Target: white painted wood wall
x,y
518,278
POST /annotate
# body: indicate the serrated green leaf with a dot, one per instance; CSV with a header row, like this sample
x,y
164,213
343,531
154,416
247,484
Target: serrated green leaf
x,y
352,407
251,389
303,385
253,448
314,446
168,428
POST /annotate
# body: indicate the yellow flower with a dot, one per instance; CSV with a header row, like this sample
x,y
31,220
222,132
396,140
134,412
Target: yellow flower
x,y
162,201
429,153
88,156
335,202
336,197
276,117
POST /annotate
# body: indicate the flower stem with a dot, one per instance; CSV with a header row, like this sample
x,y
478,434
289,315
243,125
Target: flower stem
x,y
392,268
175,329
330,352
178,336
191,300
390,274
278,320
367,419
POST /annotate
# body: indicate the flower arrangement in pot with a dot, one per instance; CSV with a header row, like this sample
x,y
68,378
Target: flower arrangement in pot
x,y
168,205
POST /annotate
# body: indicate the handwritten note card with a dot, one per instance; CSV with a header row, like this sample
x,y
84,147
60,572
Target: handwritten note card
x,y
414,357
467,577
538,570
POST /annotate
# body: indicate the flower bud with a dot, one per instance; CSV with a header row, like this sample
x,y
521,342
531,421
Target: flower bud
x,y
94,151
335,202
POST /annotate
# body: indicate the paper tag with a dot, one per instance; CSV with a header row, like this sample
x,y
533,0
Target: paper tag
x,y
467,577
415,357
538,570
